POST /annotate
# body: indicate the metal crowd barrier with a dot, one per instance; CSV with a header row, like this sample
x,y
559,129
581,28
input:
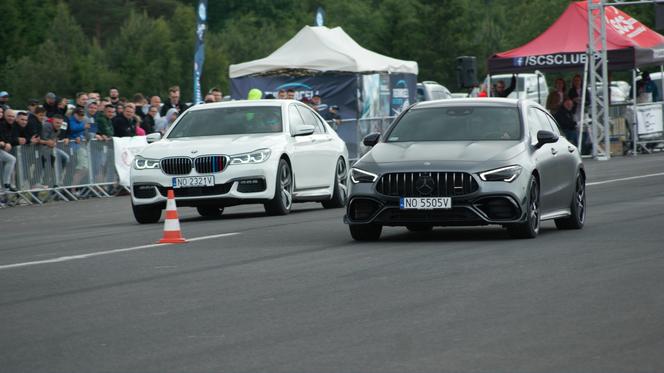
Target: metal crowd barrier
x,y
65,172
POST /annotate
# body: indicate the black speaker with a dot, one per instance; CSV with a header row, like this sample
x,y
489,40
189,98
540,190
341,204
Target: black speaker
x,y
466,70
659,16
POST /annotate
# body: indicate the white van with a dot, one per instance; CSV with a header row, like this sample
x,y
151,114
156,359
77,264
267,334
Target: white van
x,y
429,90
528,85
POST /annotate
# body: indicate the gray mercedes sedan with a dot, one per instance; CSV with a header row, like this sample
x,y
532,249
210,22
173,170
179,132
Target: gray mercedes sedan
x,y
465,162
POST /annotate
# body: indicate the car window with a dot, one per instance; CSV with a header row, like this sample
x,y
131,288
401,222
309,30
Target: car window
x,y
537,121
228,121
458,123
295,118
420,94
553,124
310,119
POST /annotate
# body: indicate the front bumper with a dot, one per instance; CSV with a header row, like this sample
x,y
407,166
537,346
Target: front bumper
x,y
493,203
237,184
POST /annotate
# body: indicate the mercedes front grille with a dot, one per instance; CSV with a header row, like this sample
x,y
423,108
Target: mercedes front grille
x,y
426,184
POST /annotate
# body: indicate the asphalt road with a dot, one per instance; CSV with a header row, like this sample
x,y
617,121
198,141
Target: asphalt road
x,y
296,294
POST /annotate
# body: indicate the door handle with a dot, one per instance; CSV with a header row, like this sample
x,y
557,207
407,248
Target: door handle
x,y
571,148
554,151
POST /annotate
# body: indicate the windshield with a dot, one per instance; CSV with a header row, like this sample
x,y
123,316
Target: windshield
x,y
229,121
460,123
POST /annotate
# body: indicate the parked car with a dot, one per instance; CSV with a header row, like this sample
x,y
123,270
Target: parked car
x,y
429,90
531,86
468,162
273,152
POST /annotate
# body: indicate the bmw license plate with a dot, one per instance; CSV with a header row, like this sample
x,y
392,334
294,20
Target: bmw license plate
x,y
193,181
425,203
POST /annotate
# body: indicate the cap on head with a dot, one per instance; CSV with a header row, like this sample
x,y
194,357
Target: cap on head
x,y
255,94
4,94
50,96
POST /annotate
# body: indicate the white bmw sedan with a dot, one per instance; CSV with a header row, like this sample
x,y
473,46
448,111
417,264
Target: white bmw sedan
x,y
272,152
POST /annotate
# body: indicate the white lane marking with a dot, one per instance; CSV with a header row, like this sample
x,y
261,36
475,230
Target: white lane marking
x,y
625,179
107,252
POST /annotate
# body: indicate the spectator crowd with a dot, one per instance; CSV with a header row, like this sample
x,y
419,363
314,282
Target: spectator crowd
x,y
89,116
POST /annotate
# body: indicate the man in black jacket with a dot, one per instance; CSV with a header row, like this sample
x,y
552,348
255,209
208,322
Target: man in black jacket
x,y
565,118
124,125
51,105
7,160
173,101
501,91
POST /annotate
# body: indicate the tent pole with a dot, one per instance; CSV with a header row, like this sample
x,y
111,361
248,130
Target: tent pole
x,y
661,82
539,96
582,116
635,136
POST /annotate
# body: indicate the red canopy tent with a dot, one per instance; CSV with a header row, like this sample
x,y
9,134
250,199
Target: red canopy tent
x,y
563,46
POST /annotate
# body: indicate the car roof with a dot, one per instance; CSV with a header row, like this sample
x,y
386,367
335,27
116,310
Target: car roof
x,y
474,101
244,103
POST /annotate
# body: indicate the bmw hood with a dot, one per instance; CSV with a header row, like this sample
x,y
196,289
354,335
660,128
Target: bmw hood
x,y
443,152
195,146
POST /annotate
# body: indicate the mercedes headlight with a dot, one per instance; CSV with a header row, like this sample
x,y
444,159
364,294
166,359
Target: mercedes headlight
x,y
361,176
507,174
141,163
257,156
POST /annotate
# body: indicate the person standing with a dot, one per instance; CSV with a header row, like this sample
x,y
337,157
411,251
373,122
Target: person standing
x,y
576,94
173,101
124,125
105,122
556,97
7,160
501,91
51,105
566,119
114,95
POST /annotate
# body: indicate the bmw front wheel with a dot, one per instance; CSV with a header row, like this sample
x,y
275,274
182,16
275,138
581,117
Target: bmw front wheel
x,y
282,202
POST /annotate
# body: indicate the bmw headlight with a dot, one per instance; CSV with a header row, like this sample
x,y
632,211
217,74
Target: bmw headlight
x,y
257,156
360,176
141,163
507,174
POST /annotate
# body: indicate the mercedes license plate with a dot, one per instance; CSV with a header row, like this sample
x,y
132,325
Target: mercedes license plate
x,y
193,181
425,203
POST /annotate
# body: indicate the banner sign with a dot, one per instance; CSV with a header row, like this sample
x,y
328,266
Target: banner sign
x,y
125,149
339,90
403,89
199,54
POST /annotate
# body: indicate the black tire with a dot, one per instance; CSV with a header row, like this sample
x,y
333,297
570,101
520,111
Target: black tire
x,y
420,227
210,212
578,207
529,228
146,214
365,232
340,195
282,202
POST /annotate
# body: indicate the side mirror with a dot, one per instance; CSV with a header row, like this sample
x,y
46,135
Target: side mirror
x,y
545,137
153,137
371,139
304,130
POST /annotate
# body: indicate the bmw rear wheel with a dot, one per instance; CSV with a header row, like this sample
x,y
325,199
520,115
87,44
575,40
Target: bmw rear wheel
x,y
282,202
531,226
340,187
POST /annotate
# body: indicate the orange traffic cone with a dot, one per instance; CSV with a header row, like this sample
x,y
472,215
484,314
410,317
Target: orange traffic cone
x,y
172,232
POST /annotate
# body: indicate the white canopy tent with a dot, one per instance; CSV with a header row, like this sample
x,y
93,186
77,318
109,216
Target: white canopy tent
x,y
323,49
